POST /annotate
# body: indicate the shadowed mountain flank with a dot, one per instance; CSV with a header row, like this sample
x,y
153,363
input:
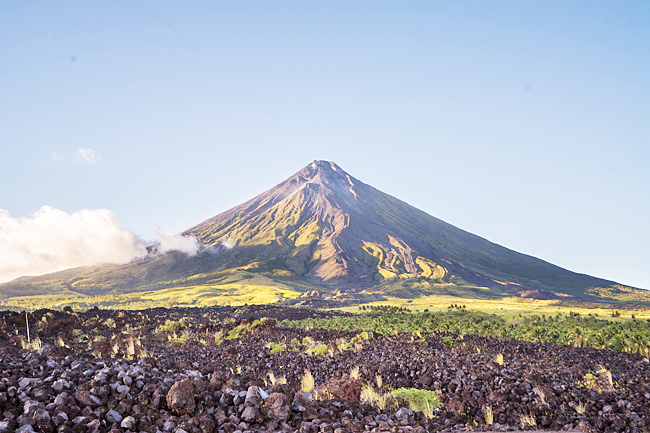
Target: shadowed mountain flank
x,y
322,229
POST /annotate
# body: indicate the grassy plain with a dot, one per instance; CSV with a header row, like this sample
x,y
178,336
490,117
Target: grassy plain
x,y
509,308
250,288
241,289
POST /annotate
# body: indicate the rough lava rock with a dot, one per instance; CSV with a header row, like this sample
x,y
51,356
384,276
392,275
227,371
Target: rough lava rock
x,y
180,397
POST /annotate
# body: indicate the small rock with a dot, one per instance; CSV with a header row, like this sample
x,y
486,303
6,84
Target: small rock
x,y
80,420
455,406
250,414
345,388
113,416
86,398
253,396
239,398
403,413
128,423
207,424
7,426
277,406
30,406
302,401
45,349
41,416
25,429
60,384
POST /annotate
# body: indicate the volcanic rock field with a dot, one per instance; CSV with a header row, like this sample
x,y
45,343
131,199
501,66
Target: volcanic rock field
x,y
233,369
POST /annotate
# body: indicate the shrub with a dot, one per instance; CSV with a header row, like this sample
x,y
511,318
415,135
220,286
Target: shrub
x,y
419,400
450,341
276,347
362,336
176,339
171,326
319,350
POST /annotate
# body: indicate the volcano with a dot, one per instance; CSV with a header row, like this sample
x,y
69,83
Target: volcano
x,y
322,229
330,228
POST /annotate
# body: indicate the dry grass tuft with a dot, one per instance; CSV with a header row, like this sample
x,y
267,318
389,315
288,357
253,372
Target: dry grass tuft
x,y
488,414
307,382
372,397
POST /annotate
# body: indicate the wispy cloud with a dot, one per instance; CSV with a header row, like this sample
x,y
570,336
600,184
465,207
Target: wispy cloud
x,y
86,156
168,242
81,156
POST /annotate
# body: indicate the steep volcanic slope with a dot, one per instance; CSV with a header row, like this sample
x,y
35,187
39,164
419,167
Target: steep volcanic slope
x,y
323,228
332,228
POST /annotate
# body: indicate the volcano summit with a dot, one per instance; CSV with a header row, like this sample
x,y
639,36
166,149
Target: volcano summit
x,y
322,229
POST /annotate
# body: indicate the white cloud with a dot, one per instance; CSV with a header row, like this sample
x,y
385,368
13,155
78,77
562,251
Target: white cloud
x,y
228,243
52,240
86,156
185,244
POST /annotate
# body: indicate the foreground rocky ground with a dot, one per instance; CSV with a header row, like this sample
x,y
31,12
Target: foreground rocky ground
x,y
160,370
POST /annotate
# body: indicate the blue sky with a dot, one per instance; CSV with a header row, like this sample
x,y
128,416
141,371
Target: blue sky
x,y
527,123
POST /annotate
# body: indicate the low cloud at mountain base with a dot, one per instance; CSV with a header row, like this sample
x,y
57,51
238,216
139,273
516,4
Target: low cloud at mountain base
x,y
52,240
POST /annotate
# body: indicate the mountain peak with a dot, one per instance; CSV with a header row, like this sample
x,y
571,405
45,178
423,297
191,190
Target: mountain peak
x,y
324,164
322,228
324,169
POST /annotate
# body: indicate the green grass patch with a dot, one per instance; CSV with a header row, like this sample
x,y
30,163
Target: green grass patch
x,y
318,350
419,400
276,347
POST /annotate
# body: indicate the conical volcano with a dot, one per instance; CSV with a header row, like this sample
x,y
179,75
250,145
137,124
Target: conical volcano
x,y
322,229
330,228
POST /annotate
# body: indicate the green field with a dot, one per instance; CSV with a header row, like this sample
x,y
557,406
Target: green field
x,y
250,288
621,334
510,307
612,326
237,289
